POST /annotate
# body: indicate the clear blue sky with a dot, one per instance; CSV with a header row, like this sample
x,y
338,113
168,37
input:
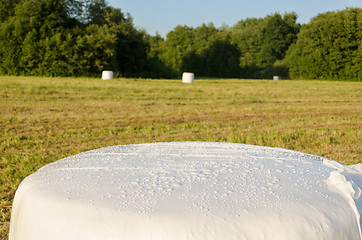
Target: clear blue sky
x,y
163,15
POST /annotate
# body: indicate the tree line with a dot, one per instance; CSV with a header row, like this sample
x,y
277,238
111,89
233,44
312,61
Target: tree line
x,y
83,38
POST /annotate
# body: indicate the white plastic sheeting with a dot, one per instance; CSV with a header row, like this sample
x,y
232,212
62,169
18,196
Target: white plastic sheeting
x,y
189,191
107,75
188,77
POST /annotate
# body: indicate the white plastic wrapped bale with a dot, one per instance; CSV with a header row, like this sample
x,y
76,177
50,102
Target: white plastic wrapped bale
x,y
188,77
107,75
189,191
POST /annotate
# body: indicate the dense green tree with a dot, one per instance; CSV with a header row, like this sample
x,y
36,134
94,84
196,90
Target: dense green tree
x,y
205,36
247,34
131,48
20,34
84,37
70,37
329,47
179,42
7,9
219,58
263,42
278,34
94,11
184,40
154,67
260,44
155,44
192,49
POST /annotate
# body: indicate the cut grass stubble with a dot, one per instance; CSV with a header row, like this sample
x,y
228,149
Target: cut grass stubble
x,y
45,119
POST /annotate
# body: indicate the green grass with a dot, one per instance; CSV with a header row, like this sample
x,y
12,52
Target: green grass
x,y
45,119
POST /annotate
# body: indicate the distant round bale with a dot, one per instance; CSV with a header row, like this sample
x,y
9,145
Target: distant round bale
x,y
188,77
107,75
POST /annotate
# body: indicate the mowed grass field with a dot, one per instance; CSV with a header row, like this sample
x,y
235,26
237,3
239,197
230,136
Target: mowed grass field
x,y
46,119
